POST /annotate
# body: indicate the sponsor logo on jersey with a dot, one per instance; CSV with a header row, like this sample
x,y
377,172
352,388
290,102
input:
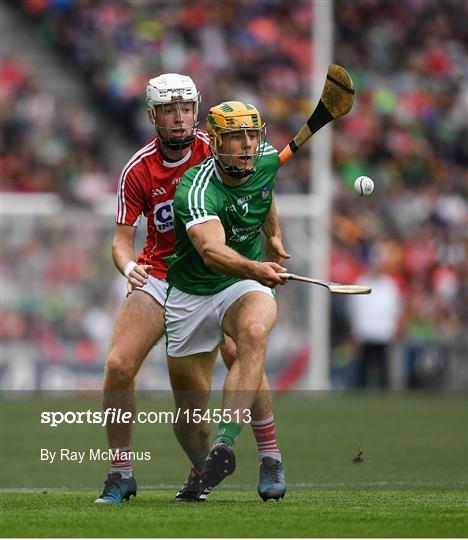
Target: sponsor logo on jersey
x,y
243,200
240,234
265,192
164,216
158,191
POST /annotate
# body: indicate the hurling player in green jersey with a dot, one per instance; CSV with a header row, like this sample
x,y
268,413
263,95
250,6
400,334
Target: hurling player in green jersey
x,y
219,285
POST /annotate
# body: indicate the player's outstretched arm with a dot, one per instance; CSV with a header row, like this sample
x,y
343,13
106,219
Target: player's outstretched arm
x,y
124,256
209,240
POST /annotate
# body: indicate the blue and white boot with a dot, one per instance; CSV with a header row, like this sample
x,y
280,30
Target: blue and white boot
x,y
117,489
272,482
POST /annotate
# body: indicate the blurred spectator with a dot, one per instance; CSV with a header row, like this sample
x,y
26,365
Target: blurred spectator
x,y
374,325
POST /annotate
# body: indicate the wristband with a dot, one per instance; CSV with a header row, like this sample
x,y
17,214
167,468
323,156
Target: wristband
x,y
129,267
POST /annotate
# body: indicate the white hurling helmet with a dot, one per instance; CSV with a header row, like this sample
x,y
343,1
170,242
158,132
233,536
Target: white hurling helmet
x,y
168,89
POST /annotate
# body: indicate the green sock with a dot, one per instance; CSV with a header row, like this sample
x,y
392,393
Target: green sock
x,y
227,433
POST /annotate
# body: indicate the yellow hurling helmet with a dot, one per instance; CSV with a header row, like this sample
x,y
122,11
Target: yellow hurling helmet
x,y
230,117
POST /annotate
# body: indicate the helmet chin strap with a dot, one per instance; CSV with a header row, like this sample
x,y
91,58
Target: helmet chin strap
x,y
233,170
177,144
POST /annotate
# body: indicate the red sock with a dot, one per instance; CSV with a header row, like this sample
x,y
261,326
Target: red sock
x,y
121,461
265,435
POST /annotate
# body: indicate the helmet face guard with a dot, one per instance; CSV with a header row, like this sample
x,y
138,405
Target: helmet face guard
x,y
165,133
172,90
225,157
227,119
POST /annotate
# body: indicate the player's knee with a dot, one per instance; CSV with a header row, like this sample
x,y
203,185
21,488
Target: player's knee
x,y
255,334
119,372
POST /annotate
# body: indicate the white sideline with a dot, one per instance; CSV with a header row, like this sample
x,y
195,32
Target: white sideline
x,y
167,487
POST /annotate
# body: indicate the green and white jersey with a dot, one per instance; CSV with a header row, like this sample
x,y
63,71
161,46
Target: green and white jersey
x,y
202,196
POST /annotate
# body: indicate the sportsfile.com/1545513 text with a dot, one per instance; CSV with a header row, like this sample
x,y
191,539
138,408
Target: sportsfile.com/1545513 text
x,y
117,416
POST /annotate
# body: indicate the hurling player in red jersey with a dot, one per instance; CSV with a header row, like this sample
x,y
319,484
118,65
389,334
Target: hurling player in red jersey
x,y
147,186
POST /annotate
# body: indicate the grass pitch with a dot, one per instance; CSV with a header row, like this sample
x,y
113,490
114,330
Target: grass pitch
x,y
412,482
231,513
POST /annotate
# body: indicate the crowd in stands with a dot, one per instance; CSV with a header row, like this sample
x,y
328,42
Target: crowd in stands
x,y
407,130
48,146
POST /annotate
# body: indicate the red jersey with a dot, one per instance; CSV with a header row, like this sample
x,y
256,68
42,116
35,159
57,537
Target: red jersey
x,y
147,186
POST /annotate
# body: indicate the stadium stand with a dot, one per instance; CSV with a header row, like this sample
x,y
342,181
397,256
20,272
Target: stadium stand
x,y
408,131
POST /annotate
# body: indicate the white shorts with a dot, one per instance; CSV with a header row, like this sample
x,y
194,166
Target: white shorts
x,y
194,323
155,287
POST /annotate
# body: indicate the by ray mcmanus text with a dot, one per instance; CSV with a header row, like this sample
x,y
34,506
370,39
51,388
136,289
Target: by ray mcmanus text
x,y
91,454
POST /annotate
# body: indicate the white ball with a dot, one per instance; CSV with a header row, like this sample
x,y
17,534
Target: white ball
x,y
364,186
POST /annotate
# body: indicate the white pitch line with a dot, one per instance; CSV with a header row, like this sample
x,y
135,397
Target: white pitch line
x,y
322,485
